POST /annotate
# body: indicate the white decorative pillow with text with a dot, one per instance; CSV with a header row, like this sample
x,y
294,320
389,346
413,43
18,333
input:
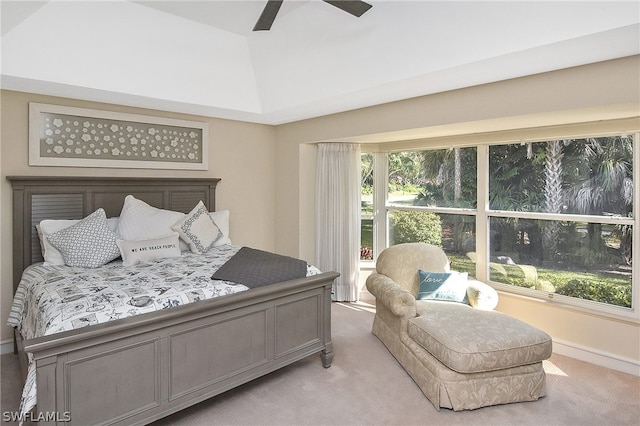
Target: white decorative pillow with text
x,y
147,250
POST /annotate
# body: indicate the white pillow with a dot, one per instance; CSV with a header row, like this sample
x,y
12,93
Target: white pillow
x,y
221,219
52,255
87,244
198,229
140,221
146,250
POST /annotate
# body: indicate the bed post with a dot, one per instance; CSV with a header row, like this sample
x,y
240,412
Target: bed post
x,y
327,353
19,246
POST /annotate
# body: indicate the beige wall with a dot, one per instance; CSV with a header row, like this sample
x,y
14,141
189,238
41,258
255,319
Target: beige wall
x,y
247,188
603,91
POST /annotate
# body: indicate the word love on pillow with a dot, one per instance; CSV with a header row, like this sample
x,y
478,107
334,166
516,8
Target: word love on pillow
x,y
447,286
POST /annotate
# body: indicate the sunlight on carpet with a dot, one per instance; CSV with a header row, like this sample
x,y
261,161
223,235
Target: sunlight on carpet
x,y
359,306
551,368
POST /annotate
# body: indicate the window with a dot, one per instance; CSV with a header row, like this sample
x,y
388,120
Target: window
x,y
431,194
556,216
366,207
561,217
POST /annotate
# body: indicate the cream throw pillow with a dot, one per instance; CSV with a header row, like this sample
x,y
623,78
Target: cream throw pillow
x,y
221,219
198,229
140,221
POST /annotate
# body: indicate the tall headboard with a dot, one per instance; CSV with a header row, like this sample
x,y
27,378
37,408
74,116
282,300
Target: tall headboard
x,y
54,197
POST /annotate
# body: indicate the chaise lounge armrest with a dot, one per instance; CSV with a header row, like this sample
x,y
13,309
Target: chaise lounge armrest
x,y
398,300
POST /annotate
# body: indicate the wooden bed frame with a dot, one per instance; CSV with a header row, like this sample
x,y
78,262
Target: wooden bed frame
x,y
139,369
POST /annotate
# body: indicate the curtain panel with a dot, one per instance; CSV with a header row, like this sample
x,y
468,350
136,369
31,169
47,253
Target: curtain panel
x,y
338,216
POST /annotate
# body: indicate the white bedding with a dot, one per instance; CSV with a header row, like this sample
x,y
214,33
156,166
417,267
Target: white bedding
x,y
52,299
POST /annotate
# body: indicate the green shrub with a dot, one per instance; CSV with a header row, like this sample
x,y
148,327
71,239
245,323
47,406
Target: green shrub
x,y
414,227
614,294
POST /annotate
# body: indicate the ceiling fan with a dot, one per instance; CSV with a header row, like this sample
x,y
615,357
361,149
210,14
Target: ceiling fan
x,y
355,7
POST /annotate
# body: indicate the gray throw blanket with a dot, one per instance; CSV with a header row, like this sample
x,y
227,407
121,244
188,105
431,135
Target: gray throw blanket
x,y
257,268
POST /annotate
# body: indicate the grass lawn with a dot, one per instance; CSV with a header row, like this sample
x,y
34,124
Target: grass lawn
x,y
599,287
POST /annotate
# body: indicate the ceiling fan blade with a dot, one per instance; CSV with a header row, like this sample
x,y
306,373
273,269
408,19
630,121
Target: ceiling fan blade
x,y
355,7
268,15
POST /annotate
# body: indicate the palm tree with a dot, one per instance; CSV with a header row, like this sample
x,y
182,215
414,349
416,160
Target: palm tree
x,y
603,185
449,180
434,169
453,172
552,193
457,176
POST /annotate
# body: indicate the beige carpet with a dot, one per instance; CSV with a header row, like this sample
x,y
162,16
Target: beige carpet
x,y
366,386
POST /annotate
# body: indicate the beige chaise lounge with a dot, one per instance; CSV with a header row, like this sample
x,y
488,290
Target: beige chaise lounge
x,y
462,356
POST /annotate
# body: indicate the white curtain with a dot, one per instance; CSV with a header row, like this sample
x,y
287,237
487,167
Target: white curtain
x,y
338,216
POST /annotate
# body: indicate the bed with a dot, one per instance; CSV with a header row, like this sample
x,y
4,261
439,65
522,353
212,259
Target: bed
x,y
141,368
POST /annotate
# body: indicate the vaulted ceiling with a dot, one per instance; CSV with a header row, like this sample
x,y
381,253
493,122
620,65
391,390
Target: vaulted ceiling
x,y
202,57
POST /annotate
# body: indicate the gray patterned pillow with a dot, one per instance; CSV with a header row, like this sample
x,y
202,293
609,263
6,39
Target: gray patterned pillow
x,y
87,244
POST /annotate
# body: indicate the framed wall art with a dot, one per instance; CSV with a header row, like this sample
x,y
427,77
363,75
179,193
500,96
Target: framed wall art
x,y
79,137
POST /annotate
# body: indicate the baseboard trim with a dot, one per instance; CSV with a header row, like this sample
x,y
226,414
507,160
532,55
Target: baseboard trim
x,y
6,347
593,356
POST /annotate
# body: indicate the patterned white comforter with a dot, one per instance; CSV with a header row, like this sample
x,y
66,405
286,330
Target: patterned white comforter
x,y
52,299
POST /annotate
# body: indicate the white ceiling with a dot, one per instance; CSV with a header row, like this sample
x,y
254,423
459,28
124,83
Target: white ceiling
x,y
201,57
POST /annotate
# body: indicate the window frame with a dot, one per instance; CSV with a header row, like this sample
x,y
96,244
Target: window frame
x,y
483,214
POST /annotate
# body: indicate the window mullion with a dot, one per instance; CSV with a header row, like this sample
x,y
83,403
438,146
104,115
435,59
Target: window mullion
x,y
635,273
380,191
482,218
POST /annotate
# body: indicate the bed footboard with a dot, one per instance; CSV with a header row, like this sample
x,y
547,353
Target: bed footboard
x,y
140,369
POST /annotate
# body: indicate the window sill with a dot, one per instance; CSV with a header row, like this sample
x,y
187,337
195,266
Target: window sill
x,y
586,307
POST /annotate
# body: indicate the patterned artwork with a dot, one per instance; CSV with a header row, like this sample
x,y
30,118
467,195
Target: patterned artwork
x,y
78,137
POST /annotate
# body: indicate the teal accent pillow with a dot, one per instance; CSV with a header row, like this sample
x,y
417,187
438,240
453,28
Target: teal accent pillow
x,y
448,286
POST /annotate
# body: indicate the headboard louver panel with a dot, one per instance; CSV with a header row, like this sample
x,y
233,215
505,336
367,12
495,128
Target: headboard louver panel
x,y
46,206
185,201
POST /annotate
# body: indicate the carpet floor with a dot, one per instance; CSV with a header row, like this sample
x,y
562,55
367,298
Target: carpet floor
x,y
366,386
